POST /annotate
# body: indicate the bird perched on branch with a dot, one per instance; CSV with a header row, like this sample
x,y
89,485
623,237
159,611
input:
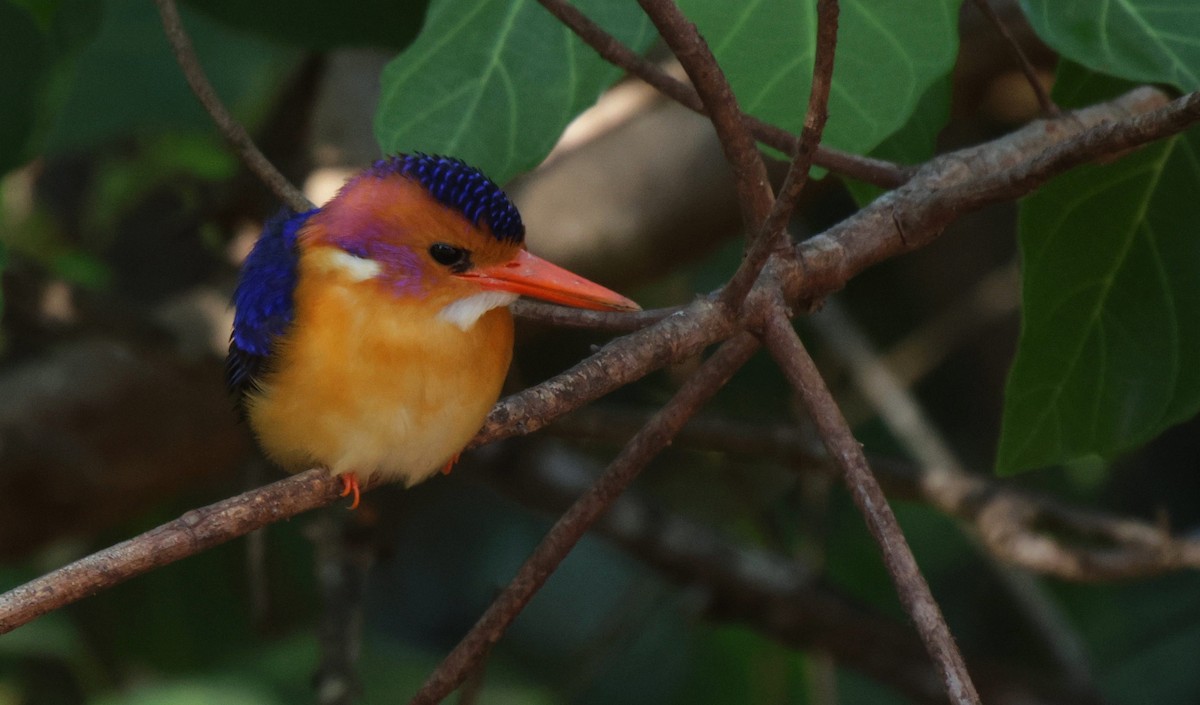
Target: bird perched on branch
x,y
372,335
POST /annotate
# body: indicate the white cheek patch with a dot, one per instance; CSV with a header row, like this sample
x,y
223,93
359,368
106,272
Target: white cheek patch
x,y
359,269
464,312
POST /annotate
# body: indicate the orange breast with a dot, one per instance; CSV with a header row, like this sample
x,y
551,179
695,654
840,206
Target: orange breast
x,y
369,382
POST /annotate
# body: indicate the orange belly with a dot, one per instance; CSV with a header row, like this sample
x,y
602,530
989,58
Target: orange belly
x,y
369,383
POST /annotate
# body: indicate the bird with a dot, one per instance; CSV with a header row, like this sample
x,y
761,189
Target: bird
x,y
372,335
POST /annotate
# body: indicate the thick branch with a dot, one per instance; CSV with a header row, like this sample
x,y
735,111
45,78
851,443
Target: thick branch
x,y
195,531
342,563
1005,169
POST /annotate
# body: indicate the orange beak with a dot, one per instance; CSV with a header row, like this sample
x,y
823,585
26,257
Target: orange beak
x,y
533,276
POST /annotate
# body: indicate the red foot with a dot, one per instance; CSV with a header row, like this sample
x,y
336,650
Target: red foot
x,y
350,487
450,464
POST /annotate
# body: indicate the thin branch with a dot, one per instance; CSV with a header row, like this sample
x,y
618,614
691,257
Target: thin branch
x,y
472,687
771,236
801,372
899,409
570,527
905,418
873,171
749,170
777,595
1042,534
1049,108
232,130
195,531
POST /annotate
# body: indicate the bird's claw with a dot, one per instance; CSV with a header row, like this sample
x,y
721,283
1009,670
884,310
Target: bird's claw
x,y
350,487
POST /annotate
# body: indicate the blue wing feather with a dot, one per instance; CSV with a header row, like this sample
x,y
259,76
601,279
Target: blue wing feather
x,y
263,301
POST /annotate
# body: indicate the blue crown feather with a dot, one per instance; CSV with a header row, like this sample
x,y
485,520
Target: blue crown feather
x,y
456,184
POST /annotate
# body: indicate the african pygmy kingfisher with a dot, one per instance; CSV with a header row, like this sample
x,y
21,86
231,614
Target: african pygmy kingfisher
x,y
372,335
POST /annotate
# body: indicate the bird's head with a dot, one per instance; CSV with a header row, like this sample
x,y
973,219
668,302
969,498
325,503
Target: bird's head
x,y
438,230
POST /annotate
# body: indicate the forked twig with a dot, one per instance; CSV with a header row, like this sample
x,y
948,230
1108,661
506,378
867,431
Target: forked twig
x,y
868,169
721,106
771,235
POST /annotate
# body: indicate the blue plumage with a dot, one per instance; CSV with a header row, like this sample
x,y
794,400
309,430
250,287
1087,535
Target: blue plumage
x,y
461,186
263,300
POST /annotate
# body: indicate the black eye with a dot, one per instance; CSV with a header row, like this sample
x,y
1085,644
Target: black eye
x,y
456,258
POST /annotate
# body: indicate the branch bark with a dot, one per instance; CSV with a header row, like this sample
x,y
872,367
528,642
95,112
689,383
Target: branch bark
x,y
195,531
951,185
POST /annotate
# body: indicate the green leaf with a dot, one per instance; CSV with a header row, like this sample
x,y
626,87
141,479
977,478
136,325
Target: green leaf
x,y
889,55
916,141
127,81
319,24
494,82
1110,340
1141,40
